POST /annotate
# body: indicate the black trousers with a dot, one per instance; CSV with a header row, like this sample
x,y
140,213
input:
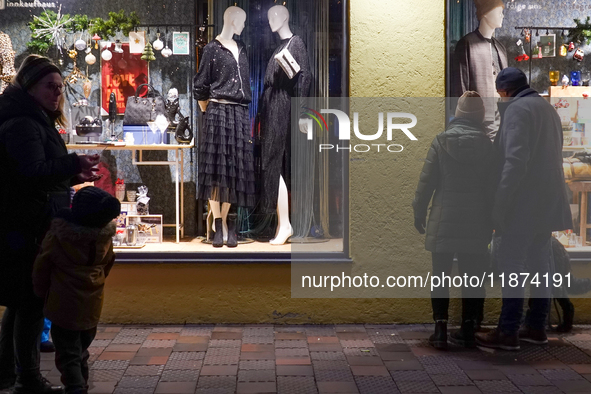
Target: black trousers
x,y
19,340
471,264
71,356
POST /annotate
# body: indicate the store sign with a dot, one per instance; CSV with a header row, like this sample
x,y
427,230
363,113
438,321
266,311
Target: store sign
x,y
122,75
344,124
26,4
516,6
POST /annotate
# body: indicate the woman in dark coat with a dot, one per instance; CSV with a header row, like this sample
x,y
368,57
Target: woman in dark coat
x,y
36,176
457,170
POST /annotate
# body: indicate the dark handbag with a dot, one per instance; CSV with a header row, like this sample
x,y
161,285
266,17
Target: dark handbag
x,y
141,110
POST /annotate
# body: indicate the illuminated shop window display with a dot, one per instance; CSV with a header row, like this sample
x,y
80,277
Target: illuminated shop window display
x,y
191,106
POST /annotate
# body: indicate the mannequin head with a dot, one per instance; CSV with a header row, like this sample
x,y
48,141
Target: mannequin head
x,y
278,16
234,18
485,7
493,18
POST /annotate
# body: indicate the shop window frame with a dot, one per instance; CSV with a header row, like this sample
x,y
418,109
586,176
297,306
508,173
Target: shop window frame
x,y
224,257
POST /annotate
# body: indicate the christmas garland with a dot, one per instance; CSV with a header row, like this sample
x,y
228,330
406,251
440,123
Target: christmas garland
x,y
49,28
117,22
582,32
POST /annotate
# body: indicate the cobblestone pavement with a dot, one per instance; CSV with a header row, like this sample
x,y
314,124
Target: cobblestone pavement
x,y
372,359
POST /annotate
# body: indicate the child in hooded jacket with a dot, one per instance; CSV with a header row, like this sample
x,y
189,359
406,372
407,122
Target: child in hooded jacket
x,y
69,274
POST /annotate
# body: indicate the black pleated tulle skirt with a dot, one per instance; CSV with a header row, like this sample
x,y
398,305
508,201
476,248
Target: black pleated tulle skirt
x,y
226,165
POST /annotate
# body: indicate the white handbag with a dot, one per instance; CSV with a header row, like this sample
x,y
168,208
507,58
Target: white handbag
x,y
287,62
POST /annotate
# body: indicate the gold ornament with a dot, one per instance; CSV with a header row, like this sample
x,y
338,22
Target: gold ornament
x,y
86,88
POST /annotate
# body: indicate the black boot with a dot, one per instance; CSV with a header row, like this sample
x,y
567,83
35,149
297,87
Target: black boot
x,y
465,335
7,381
439,339
232,236
35,384
568,312
218,238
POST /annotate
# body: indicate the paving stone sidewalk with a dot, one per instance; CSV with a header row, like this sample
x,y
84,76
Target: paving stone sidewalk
x,y
372,359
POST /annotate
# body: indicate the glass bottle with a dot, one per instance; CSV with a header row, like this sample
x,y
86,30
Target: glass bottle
x,y
575,78
554,77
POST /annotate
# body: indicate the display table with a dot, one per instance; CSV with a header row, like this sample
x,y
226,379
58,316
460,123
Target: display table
x,y
178,162
583,187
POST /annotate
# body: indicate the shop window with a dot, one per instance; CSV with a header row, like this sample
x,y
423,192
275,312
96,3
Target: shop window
x,y
318,200
316,196
543,39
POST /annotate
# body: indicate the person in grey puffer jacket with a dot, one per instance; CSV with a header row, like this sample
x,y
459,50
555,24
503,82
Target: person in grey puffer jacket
x,y
456,175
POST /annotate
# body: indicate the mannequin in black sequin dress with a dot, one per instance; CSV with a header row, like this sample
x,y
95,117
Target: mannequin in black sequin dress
x,y
226,165
275,121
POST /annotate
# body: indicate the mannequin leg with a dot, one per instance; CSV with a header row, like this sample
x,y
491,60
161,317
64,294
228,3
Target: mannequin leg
x,y
284,229
218,240
225,210
214,206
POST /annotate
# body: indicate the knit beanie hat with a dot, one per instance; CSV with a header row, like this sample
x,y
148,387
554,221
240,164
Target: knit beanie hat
x,y
511,79
33,69
484,6
470,105
93,207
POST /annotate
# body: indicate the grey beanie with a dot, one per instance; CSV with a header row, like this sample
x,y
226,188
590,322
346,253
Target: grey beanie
x,y
470,105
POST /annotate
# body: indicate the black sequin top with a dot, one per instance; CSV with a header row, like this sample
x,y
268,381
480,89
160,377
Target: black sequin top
x,y
221,77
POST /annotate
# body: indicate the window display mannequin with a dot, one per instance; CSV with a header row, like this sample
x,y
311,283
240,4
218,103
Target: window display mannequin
x,y
275,122
222,88
479,57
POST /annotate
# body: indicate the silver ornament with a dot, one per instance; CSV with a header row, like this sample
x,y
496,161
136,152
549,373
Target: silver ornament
x,y
166,52
106,55
80,45
90,59
158,44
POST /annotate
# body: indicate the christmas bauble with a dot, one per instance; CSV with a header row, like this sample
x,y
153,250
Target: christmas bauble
x,y
106,55
80,45
122,63
166,52
90,59
158,45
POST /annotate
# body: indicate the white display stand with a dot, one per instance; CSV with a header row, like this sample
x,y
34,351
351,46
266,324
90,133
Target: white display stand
x,y
178,163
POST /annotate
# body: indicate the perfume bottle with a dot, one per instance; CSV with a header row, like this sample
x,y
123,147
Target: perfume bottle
x,y
575,78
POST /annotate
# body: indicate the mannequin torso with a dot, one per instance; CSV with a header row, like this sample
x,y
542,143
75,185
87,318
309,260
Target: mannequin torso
x,y
478,59
229,44
234,18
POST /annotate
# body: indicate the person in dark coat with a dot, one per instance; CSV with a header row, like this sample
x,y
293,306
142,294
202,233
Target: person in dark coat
x,y
69,274
457,169
36,176
530,202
